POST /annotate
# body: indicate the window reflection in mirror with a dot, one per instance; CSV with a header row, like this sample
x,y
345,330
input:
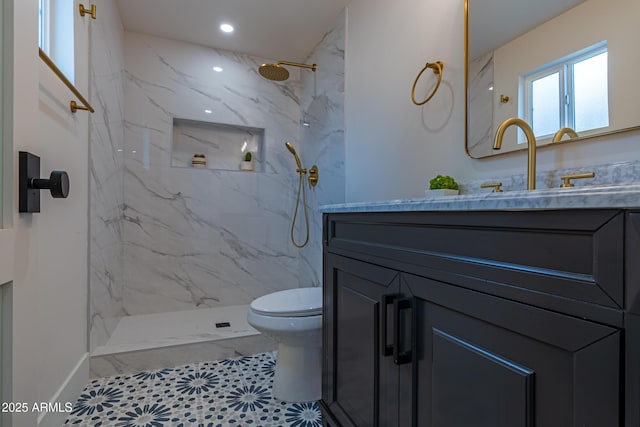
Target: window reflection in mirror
x,y
509,39
572,92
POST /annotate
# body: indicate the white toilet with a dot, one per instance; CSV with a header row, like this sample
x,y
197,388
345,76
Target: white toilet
x,y
294,319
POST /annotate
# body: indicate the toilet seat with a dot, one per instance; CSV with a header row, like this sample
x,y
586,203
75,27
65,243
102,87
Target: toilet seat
x,y
299,302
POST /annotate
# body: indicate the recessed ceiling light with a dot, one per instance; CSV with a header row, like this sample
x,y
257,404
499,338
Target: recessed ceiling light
x,y
208,111
217,69
227,28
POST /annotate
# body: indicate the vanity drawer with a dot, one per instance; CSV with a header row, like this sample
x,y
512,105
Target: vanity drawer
x,y
569,260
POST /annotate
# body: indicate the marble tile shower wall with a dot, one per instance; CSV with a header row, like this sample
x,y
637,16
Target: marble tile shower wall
x,y
106,196
481,123
322,140
203,237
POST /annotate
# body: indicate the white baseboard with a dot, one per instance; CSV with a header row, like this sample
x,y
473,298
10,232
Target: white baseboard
x,y
68,392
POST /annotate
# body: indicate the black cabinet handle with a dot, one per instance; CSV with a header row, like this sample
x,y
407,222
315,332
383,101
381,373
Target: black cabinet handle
x,y
385,301
401,356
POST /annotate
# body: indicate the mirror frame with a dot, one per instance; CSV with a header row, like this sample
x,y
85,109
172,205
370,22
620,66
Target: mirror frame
x,y
466,106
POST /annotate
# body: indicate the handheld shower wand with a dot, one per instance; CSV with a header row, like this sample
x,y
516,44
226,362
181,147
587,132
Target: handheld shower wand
x,y
295,155
313,179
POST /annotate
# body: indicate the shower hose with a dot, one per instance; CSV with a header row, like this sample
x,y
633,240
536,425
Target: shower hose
x,y
295,213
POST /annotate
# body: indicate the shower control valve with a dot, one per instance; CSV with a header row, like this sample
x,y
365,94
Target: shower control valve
x,y
313,176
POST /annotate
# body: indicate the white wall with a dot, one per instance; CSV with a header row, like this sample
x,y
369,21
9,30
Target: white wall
x,y
50,282
394,147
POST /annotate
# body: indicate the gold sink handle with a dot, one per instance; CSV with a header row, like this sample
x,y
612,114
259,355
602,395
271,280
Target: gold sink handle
x,y
562,132
497,186
567,178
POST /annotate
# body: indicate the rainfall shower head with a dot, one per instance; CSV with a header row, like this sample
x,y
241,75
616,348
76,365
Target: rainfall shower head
x,y
293,151
273,72
278,73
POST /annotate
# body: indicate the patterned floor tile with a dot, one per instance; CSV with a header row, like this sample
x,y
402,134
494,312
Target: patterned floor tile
x,y
232,392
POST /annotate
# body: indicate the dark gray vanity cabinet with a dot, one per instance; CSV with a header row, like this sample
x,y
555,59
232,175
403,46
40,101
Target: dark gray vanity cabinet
x,y
480,319
364,385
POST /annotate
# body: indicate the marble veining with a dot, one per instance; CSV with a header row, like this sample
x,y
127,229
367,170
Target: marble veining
x,y
605,196
199,237
165,239
106,162
625,172
481,95
615,185
158,330
322,141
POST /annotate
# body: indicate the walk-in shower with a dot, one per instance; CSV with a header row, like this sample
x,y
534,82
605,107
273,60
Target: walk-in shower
x,y
176,251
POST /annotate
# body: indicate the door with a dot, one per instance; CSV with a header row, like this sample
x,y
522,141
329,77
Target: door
x,y
360,384
7,239
49,291
481,360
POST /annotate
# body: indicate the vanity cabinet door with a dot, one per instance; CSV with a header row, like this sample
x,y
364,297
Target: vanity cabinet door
x,y
480,360
360,384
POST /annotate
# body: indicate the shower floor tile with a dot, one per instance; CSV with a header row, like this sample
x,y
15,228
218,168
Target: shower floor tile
x,y
231,392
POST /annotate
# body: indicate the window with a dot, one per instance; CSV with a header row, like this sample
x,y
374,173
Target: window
x,y
571,92
43,25
55,33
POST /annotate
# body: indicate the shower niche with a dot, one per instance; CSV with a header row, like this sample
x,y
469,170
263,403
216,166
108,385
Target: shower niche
x,y
224,146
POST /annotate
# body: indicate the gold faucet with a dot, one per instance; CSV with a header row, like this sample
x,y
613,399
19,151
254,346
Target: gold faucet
x,y
564,131
531,142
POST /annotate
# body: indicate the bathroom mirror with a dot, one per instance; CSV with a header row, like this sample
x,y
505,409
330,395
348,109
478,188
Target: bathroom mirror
x,y
553,63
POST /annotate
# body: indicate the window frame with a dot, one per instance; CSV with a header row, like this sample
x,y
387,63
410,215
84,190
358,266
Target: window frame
x,y
44,26
566,92
56,28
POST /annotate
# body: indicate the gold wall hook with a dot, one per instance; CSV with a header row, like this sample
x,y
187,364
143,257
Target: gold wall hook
x,y
84,11
504,99
313,176
73,105
437,68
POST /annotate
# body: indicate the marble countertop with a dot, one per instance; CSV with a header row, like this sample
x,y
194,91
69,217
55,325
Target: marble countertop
x,y
587,197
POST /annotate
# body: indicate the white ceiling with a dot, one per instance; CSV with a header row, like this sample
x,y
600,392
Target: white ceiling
x,y
273,29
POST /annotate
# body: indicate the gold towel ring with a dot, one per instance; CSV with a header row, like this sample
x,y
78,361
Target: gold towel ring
x,y
437,68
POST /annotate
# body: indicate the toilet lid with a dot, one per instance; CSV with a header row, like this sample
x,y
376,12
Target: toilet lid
x,y
292,302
